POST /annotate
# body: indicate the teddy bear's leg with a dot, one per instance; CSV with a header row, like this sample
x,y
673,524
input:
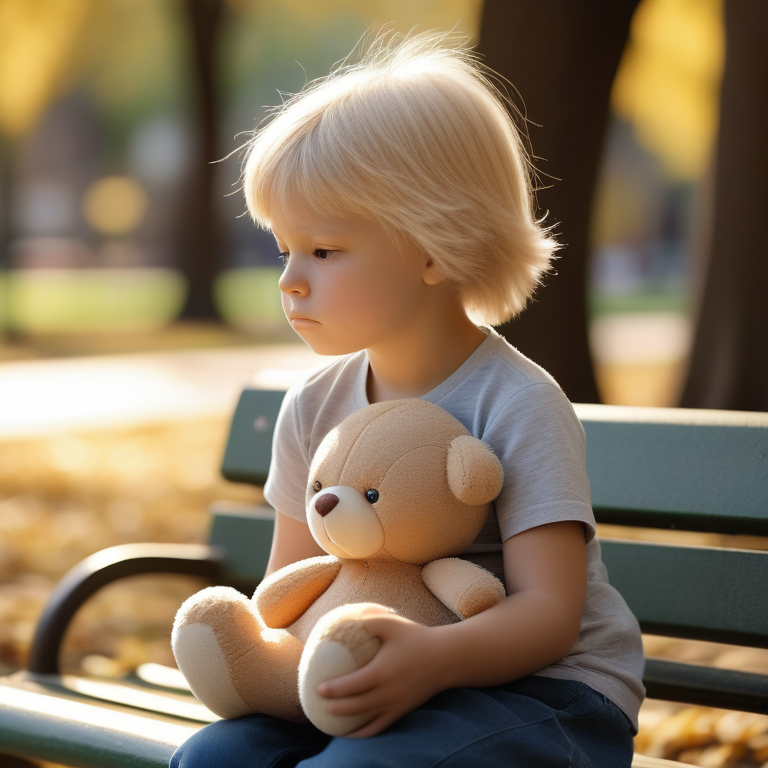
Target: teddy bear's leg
x,y
233,663
338,644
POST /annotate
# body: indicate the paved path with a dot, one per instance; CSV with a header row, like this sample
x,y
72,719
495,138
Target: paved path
x,y
43,396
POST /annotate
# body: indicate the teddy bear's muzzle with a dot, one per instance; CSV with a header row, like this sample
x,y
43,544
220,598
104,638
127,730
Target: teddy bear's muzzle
x,y
353,530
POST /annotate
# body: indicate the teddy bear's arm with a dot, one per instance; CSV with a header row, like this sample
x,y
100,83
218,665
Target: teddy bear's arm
x,y
285,595
463,587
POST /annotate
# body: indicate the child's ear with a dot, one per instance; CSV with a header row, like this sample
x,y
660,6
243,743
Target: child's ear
x,y
433,274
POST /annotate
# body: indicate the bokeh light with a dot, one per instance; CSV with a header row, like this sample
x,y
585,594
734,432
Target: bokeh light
x,y
114,205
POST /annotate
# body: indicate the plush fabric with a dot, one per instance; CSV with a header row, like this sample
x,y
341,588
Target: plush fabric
x,y
394,491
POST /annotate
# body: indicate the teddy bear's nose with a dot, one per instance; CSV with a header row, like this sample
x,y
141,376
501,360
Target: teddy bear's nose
x,y
326,503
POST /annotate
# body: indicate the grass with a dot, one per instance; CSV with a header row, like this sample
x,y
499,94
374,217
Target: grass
x,y
644,300
67,301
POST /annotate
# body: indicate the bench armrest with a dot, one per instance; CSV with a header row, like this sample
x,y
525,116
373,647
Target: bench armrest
x,y
103,568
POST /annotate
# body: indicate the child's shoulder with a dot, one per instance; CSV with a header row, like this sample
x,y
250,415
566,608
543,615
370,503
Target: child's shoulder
x,y
505,372
499,388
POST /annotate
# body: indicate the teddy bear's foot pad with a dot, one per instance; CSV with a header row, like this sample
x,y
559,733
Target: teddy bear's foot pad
x,y
205,667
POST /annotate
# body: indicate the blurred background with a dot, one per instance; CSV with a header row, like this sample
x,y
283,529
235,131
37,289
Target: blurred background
x,y
120,210
136,296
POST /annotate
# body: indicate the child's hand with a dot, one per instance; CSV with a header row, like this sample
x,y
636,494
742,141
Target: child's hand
x,y
405,673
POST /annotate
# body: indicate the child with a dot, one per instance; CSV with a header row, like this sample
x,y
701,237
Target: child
x,y
399,196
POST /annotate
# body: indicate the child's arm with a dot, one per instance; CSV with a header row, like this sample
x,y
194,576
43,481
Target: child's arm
x,y
536,625
291,542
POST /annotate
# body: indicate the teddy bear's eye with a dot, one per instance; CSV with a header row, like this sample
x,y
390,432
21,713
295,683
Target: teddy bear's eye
x,y
317,485
372,495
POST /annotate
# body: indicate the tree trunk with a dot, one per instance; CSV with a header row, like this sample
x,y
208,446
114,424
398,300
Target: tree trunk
x,y
9,333
199,240
729,361
562,56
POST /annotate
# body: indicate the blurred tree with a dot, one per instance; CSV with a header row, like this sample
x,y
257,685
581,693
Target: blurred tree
x,y
729,363
36,38
562,57
200,237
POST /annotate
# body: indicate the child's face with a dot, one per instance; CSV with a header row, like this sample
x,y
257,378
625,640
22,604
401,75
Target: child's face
x,y
347,286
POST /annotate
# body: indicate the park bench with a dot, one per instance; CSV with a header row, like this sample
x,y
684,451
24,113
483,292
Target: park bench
x,y
670,469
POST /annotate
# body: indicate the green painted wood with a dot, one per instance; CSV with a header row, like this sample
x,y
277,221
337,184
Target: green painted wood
x,y
38,723
244,535
249,447
694,470
706,686
694,592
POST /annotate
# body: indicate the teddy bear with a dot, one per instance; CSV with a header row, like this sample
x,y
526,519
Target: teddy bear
x,y
395,492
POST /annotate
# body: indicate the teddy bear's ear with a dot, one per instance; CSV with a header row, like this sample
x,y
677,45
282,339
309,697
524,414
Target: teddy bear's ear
x,y
474,473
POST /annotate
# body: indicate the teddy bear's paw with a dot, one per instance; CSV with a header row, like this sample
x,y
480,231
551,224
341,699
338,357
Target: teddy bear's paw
x,y
465,588
338,644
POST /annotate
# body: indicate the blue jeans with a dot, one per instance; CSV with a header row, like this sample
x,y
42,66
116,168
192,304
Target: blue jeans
x,y
535,722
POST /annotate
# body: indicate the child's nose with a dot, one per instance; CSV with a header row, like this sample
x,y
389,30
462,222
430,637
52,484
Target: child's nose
x,y
293,280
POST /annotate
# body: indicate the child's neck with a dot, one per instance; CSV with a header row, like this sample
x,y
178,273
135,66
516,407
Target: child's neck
x,y
424,359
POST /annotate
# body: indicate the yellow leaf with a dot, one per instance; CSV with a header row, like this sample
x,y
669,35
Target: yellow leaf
x,y
669,79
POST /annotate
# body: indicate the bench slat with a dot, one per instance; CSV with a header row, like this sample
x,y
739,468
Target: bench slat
x,y
706,686
700,593
649,468
36,722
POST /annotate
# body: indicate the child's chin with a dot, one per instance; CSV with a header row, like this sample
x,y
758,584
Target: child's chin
x,y
328,348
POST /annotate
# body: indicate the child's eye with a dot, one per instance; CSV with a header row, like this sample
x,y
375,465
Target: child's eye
x,y
322,253
283,256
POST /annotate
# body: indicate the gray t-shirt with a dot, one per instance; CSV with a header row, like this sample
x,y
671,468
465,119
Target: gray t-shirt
x,y
519,410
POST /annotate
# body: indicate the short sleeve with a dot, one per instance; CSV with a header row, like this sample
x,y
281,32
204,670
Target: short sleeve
x,y
541,444
289,469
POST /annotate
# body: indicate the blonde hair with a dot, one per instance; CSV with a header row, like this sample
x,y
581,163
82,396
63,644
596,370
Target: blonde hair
x,y
416,137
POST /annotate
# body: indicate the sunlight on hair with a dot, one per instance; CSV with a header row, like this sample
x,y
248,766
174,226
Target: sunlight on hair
x,y
411,131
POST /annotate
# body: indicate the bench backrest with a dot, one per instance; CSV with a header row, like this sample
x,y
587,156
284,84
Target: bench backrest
x,y
689,470
654,468
693,470
249,446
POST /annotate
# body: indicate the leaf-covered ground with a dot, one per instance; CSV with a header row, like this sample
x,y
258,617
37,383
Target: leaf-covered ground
x,y
66,496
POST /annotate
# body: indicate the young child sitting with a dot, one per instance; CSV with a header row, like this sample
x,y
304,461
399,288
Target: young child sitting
x,y
400,199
